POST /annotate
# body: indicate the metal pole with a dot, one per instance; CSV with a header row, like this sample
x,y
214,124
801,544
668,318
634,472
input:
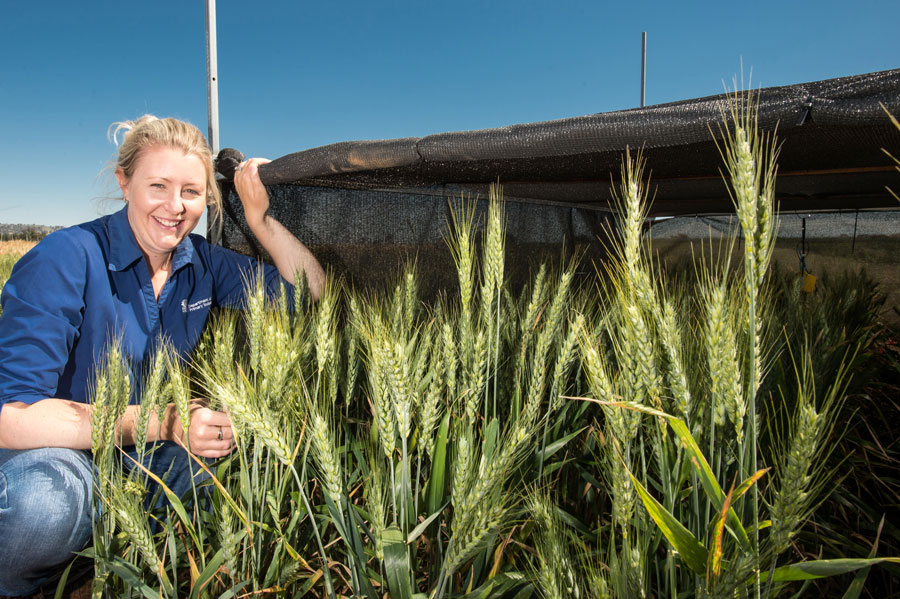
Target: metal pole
x,y
643,67
212,77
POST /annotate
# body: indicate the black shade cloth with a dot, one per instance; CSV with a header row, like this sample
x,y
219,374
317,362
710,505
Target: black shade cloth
x,y
364,206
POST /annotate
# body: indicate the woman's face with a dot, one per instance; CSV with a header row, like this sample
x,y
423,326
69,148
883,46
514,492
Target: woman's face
x,y
166,196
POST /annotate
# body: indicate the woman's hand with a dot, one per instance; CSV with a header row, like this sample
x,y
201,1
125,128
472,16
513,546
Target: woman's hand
x,y
210,434
291,257
252,192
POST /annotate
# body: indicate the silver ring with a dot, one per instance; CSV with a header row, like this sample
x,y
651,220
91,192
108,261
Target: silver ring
x,y
220,433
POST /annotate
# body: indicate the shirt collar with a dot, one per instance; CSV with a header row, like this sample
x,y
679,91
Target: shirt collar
x,y
124,250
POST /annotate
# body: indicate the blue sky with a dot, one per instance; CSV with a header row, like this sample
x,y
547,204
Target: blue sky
x,y
296,74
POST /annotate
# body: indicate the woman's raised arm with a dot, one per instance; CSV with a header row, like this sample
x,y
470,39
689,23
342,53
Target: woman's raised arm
x,y
290,255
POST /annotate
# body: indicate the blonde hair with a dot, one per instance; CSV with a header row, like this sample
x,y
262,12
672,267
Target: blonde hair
x,y
148,131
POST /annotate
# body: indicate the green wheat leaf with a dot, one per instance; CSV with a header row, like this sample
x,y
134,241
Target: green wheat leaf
x,y
395,564
437,481
692,551
823,568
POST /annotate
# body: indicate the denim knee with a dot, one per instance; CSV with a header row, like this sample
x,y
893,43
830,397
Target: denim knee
x,y
45,514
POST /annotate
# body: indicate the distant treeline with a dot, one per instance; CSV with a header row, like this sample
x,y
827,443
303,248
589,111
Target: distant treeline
x,y
25,232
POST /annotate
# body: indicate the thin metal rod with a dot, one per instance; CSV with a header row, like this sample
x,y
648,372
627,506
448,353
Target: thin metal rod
x,y
643,67
212,77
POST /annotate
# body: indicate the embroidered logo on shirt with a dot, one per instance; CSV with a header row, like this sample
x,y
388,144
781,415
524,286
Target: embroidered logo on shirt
x,y
198,305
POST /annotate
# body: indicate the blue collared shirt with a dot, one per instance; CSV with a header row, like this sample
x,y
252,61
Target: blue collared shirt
x,y
80,286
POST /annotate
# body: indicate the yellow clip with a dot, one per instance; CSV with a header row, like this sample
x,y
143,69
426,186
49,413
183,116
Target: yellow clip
x,y
809,282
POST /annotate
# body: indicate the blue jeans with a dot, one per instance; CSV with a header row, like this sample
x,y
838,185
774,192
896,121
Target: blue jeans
x,y
45,508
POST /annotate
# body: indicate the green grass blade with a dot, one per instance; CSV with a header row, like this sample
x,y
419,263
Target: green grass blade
x,y
692,551
129,574
396,567
208,573
61,586
418,530
552,448
823,568
855,588
437,482
706,477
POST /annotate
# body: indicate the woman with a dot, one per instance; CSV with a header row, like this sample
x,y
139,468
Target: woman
x,y
136,274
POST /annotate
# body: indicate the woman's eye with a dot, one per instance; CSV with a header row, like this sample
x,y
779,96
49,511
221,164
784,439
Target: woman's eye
x,y
157,186
191,192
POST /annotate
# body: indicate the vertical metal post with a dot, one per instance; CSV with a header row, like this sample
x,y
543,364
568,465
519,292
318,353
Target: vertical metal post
x,y
212,77
643,67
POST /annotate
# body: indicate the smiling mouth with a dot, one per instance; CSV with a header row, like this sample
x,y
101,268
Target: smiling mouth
x,y
167,223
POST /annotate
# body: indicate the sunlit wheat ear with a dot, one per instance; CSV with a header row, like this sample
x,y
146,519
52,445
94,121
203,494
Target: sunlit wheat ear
x,y
111,393
598,379
374,494
476,376
537,298
396,310
231,536
401,388
128,504
791,500
326,455
223,346
734,578
493,255
631,208
462,468
279,353
672,342
351,371
619,480
379,367
558,310
726,393
639,343
750,160
450,356
180,389
410,295
251,415
326,326
152,393
478,527
556,573
100,399
564,361
462,248
800,465
430,411
254,316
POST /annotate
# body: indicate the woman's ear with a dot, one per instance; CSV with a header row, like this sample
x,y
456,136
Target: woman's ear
x,y
123,181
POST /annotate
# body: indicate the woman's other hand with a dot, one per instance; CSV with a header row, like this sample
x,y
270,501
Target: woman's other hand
x,y
210,433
